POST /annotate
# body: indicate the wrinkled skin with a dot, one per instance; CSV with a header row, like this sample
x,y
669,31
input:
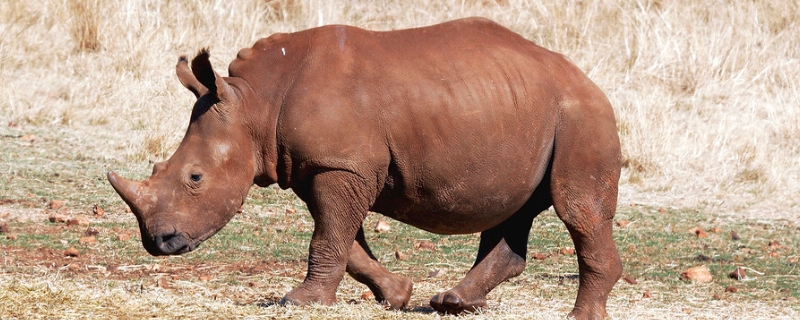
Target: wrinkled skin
x,y
455,128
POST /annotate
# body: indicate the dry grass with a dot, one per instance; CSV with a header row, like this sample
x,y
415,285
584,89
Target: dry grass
x,y
706,93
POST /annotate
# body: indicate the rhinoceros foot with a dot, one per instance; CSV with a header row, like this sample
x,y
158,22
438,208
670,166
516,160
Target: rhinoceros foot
x,y
456,302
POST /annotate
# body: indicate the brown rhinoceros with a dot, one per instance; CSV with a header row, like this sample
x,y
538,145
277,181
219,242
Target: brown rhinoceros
x,y
455,128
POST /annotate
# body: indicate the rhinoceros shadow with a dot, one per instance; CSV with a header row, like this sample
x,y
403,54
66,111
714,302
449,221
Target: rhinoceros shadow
x,y
270,302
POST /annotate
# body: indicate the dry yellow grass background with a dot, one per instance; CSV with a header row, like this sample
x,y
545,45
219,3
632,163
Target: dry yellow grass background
x,y
706,93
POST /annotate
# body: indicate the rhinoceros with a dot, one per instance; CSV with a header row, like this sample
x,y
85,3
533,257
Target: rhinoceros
x,y
455,128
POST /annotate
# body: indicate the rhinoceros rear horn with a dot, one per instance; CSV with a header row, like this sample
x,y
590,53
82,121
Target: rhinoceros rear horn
x,y
127,190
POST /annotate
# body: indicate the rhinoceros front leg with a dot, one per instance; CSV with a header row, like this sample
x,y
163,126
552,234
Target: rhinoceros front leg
x,y
386,286
338,202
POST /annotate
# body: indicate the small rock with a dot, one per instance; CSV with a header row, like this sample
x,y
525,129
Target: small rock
x,y
715,230
122,237
567,251
774,254
622,223
252,284
3,227
111,268
74,266
646,294
177,277
399,255
697,274
381,227
539,256
97,211
735,235
739,273
436,273
291,210
87,240
630,280
55,204
57,218
11,236
71,252
774,244
716,296
687,310
731,289
367,295
91,232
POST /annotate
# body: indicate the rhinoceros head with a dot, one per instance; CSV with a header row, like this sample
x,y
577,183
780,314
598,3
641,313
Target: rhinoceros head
x,y
191,196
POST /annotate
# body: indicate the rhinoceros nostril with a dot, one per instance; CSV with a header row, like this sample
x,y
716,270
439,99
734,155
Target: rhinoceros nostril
x,y
173,243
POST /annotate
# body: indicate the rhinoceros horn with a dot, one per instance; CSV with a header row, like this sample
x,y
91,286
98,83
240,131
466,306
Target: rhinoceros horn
x,y
128,190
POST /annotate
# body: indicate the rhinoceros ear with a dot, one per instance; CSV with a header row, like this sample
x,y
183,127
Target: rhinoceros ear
x,y
205,74
188,79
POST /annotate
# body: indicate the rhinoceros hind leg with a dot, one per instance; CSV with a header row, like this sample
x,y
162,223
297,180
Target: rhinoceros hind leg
x,y
386,286
585,176
501,256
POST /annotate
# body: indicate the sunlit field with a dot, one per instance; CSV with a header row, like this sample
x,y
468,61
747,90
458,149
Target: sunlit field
x,y
706,98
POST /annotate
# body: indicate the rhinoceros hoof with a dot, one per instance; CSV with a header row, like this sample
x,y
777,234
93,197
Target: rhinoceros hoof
x,y
396,294
300,297
454,303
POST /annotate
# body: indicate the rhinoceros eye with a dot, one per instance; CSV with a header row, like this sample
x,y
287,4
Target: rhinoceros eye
x,y
196,177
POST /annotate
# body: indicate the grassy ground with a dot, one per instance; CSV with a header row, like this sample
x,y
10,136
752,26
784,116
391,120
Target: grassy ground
x,y
706,100
246,268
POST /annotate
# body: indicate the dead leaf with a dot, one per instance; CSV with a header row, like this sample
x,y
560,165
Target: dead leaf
x,y
622,223
205,278
3,227
252,284
123,237
367,295
699,232
716,296
630,280
87,240
111,268
774,254
55,204
426,245
539,256
793,260
291,210
715,230
567,251
436,273
687,310
734,235
399,255
57,218
774,244
91,231
731,289
97,211
11,236
646,294
162,283
381,226
739,273
78,221
71,252
697,274
28,137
